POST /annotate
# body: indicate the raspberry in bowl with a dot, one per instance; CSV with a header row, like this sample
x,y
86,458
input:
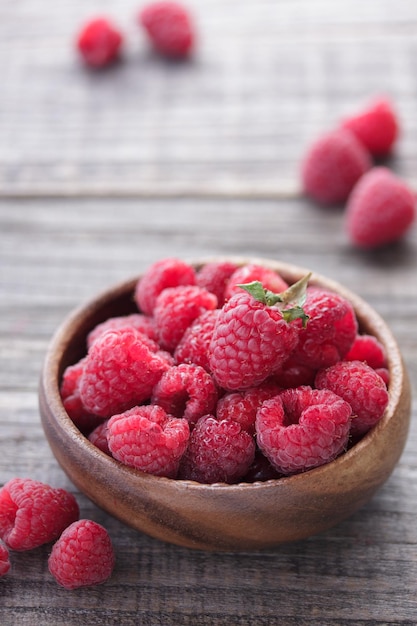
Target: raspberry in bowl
x,y
191,428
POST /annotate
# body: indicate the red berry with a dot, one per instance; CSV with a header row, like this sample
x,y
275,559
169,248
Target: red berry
x,y
241,406
169,28
149,439
82,556
169,272
71,399
362,387
142,323
376,127
99,42
215,276
4,559
98,437
303,428
367,348
250,272
380,210
33,513
333,165
195,342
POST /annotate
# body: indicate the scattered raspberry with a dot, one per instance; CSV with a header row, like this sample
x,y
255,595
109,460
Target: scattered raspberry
x,y
194,344
99,42
215,276
250,272
187,391
376,127
241,406
362,387
33,513
142,323
367,348
147,438
120,371
82,556
303,428
169,28
380,210
218,451
71,399
4,559
170,272
333,165
98,437
176,309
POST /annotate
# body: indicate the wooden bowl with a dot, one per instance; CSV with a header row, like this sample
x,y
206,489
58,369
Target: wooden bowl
x,y
218,517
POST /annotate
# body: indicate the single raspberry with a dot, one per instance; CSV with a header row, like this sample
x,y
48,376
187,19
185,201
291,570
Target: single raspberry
x,y
140,322
380,210
99,42
176,309
367,348
98,437
169,27
71,399
330,332
241,406
4,559
218,451
253,272
149,439
215,276
194,344
169,272
33,513
120,371
362,387
82,556
376,127
186,390
332,166
383,372
303,428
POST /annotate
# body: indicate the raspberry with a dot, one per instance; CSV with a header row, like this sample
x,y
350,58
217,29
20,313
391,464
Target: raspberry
x,y
186,390
98,437
218,451
260,470
33,513
332,166
120,371
169,28
380,210
362,387
176,309
71,399
303,428
250,272
241,406
376,127
149,439
82,556
214,277
170,272
194,344
4,560
142,323
367,348
295,375
384,373
99,42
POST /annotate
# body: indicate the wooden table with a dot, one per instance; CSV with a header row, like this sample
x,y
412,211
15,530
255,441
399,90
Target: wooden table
x,y
103,173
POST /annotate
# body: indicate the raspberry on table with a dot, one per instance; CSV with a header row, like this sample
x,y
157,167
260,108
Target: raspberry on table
x,y
169,27
168,272
251,272
218,451
4,559
303,428
83,555
33,513
195,342
241,406
376,126
332,166
367,348
187,391
380,210
215,276
147,438
359,385
143,323
99,42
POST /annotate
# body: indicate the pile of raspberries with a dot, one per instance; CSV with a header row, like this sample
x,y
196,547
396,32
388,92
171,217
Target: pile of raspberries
x,y
227,374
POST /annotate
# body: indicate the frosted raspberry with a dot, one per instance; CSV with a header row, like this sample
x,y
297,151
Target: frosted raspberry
x,y
250,272
176,309
362,387
149,439
169,28
214,277
98,437
186,390
120,371
170,272
71,399
380,210
195,342
376,127
99,42
82,556
303,428
332,166
33,513
4,559
367,348
241,406
142,323
218,451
